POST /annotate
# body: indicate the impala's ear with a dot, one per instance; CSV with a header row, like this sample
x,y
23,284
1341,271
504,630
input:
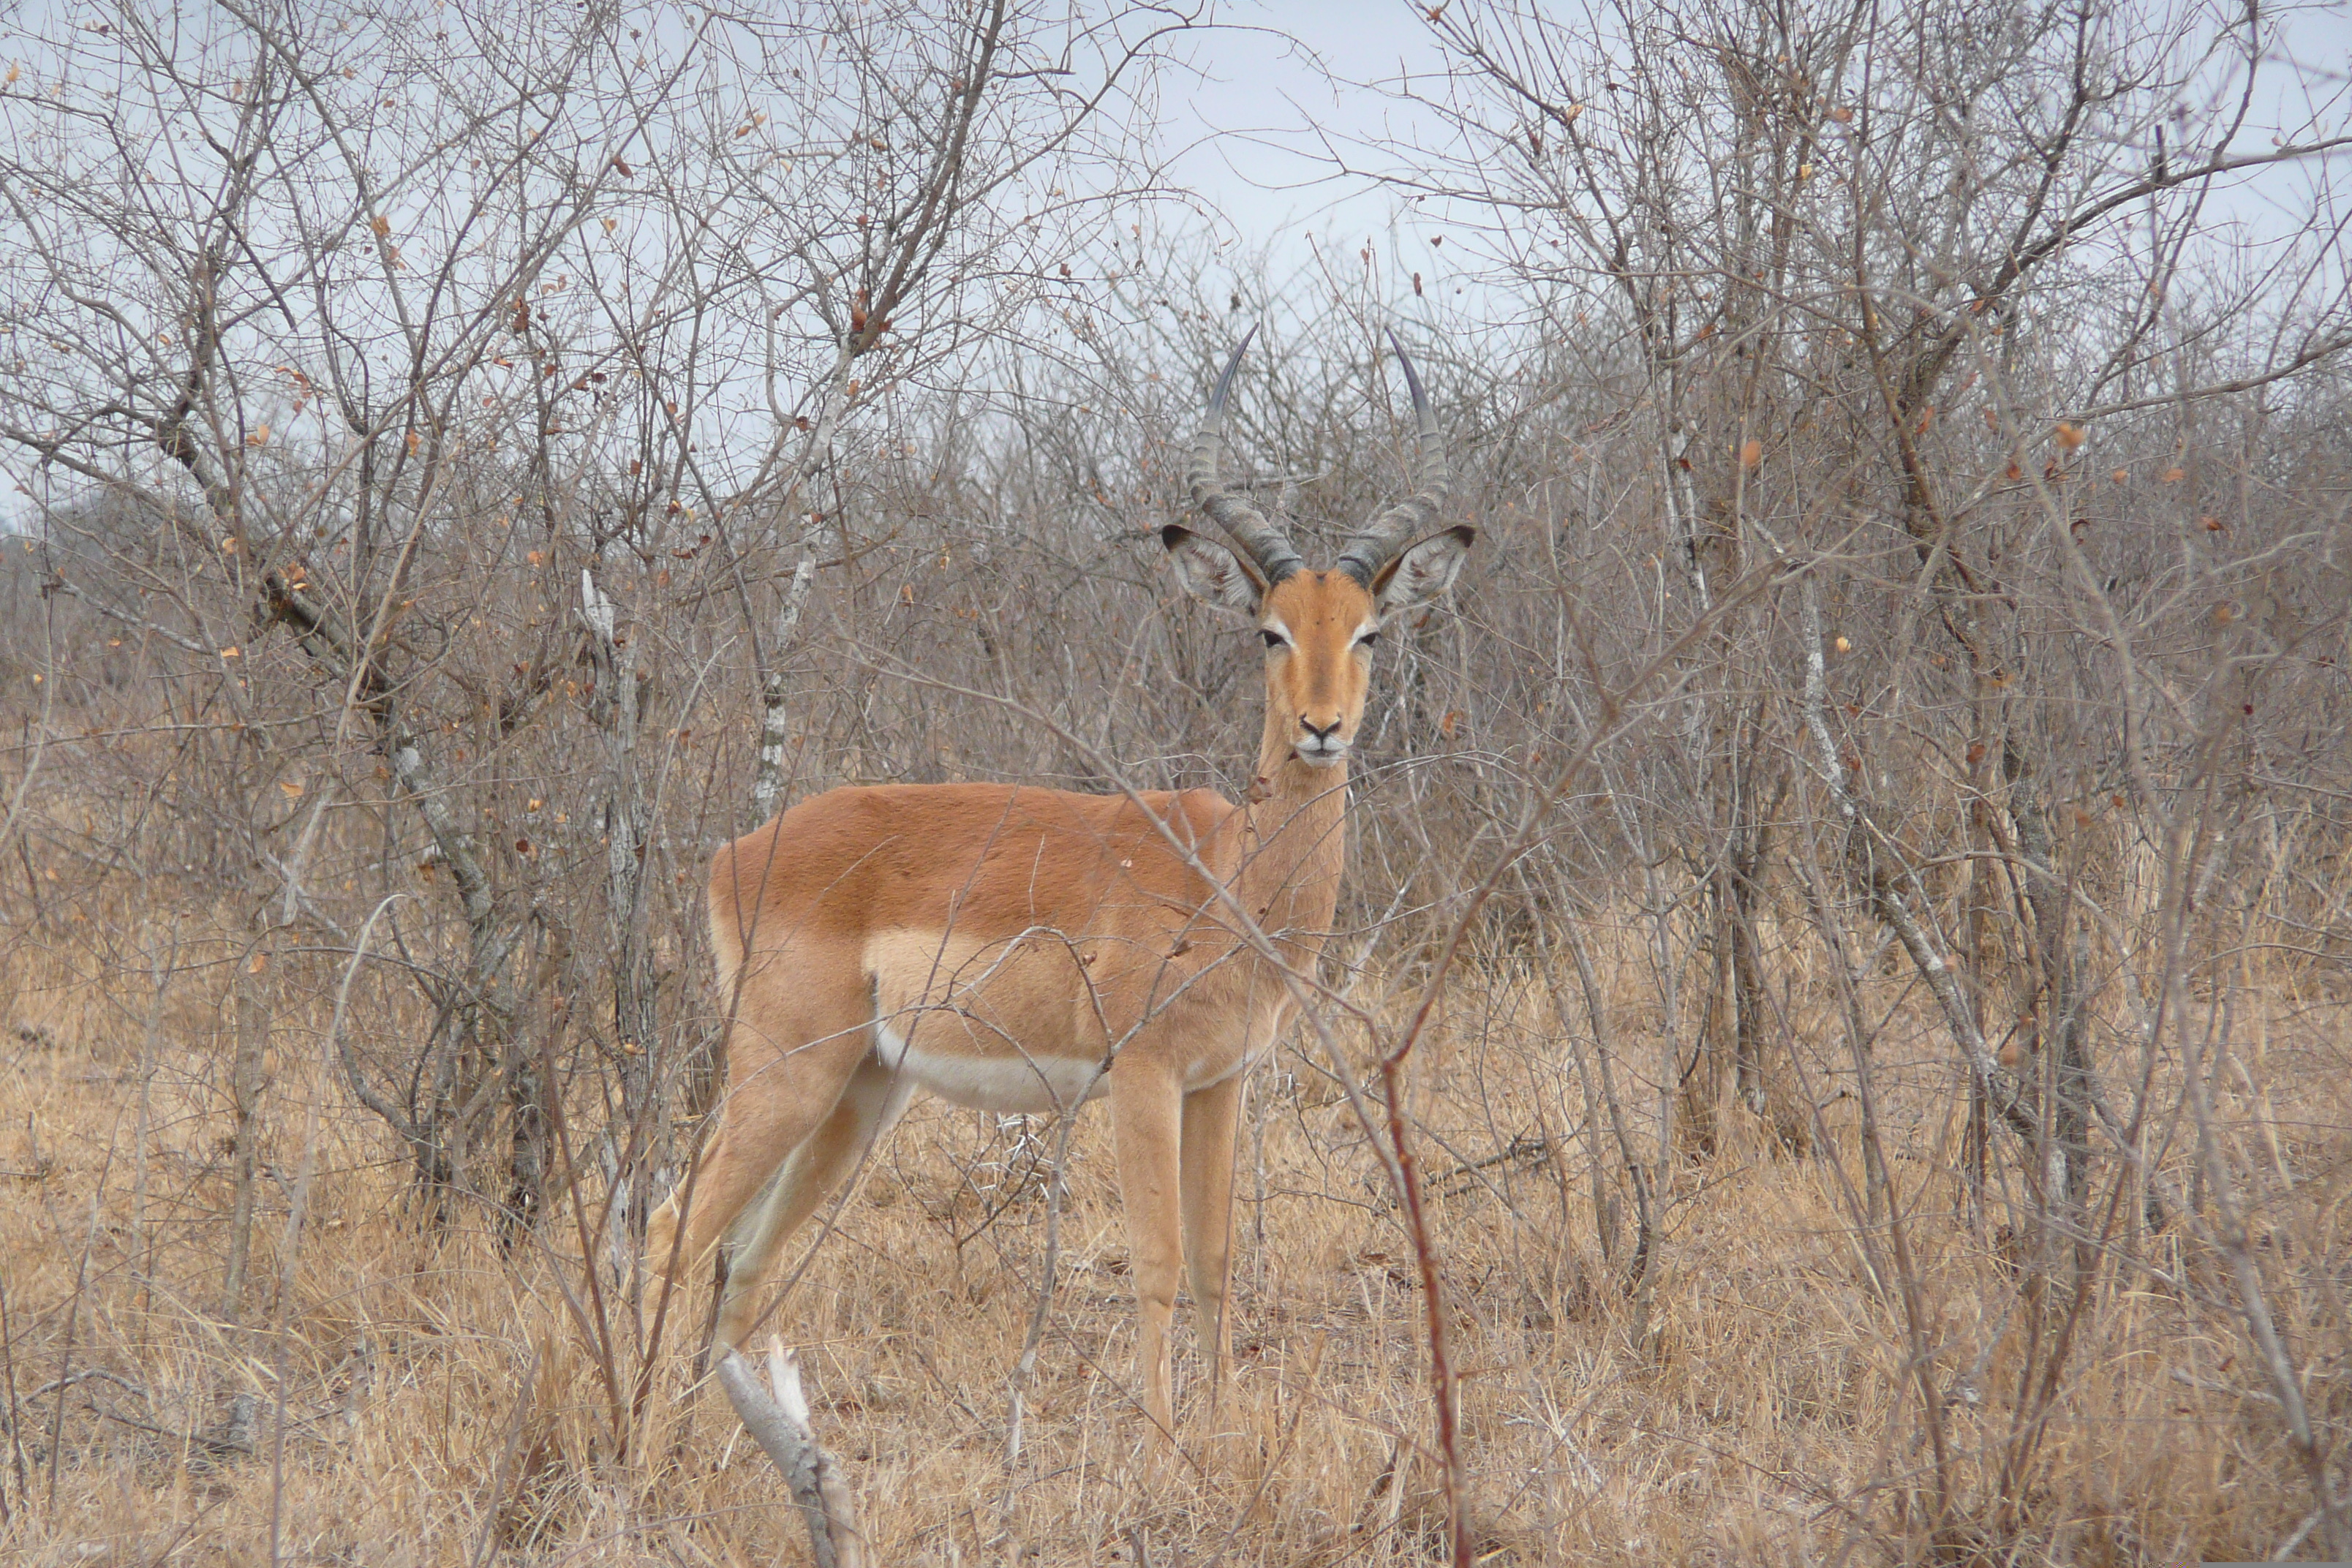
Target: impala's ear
x,y
1213,573
1422,572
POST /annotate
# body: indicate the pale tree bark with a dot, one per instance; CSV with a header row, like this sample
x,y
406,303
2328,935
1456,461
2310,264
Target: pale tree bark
x,y
777,1417
250,1000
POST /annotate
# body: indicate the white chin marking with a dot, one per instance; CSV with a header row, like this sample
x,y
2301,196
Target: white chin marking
x,y
1321,759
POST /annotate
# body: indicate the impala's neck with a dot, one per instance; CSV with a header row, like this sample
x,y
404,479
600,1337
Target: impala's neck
x,y
1294,846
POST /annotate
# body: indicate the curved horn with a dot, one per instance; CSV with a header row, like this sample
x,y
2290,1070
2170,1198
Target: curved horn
x,y
1401,523
1263,543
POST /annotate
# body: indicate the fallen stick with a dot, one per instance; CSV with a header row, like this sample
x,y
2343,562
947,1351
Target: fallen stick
x,y
779,1422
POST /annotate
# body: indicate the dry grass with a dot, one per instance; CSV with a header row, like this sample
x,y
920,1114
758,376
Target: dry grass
x,y
441,1404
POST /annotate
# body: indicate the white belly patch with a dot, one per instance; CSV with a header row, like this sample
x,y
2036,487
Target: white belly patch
x,y
1030,1085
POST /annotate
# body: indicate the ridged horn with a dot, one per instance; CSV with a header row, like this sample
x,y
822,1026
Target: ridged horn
x,y
1399,524
1260,540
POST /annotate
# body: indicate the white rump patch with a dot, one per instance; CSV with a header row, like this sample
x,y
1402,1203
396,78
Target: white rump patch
x,y
1028,1086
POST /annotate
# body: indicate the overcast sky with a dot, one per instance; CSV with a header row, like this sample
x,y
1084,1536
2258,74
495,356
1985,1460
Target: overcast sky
x,y
1252,136
1255,122
1255,125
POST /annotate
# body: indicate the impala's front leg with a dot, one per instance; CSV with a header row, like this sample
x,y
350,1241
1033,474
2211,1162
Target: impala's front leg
x,y
1147,1118
1211,1115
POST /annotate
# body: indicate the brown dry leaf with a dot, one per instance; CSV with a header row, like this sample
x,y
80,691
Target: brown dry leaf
x,y
2174,475
291,788
381,224
2071,435
2120,475
1752,454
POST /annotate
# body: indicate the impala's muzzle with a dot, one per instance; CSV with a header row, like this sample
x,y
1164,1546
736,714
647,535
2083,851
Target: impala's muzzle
x,y
1320,745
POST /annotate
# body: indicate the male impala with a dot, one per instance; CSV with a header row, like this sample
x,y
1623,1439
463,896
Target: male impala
x,y
1027,950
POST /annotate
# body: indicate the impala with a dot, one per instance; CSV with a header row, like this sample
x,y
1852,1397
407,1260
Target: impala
x,y
1022,950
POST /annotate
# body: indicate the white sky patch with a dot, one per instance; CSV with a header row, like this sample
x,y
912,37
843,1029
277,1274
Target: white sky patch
x,y
1288,127
1278,113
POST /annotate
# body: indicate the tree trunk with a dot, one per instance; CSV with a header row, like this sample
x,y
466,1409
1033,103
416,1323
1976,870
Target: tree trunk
x,y
250,1006
639,1124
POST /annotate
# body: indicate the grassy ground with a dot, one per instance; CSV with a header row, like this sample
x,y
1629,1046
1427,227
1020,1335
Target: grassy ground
x,y
398,1394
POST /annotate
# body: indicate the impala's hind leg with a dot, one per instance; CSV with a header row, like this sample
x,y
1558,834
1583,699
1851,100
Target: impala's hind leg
x,y
871,1102
790,1057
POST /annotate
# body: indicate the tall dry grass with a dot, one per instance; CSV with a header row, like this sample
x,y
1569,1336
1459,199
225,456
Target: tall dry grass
x,y
400,1392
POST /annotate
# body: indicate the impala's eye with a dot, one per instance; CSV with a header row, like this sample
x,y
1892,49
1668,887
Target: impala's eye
x,y
1369,638
1273,638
